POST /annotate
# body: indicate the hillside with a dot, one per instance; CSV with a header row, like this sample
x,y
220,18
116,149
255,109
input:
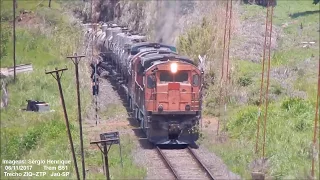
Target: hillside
x,y
292,95
44,37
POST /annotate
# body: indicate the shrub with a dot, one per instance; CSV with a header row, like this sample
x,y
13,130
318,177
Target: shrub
x,y
245,81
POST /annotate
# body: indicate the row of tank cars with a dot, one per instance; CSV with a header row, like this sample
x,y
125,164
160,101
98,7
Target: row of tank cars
x,y
163,88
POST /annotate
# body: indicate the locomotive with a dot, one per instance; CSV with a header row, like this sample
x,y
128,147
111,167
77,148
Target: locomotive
x,y
163,89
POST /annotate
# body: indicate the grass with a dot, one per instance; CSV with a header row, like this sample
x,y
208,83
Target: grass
x,y
28,135
129,169
42,136
289,132
290,120
112,111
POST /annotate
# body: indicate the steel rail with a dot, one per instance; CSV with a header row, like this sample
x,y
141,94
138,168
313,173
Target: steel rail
x,y
208,173
168,164
194,156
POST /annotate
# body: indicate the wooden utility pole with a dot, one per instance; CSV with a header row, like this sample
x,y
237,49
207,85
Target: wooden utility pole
x,y
108,139
76,63
14,40
57,77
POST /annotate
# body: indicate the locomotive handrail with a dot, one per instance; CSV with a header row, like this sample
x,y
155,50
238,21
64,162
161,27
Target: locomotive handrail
x,y
138,85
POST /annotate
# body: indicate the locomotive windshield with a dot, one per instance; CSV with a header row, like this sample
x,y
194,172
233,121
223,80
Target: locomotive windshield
x,y
167,76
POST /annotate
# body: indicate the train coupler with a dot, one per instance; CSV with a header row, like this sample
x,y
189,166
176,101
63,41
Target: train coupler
x,y
174,131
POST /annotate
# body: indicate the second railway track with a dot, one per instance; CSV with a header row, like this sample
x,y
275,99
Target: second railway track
x,y
184,164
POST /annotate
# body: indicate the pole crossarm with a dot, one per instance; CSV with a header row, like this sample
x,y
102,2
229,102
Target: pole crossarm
x,y
56,70
75,59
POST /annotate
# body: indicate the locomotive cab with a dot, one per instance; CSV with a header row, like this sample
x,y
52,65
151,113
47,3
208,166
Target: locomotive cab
x,y
172,98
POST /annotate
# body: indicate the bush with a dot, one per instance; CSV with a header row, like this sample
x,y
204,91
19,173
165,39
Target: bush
x,y
244,122
244,81
296,105
196,41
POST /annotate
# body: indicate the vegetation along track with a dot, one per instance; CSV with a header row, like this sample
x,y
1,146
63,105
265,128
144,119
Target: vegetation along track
x,y
184,164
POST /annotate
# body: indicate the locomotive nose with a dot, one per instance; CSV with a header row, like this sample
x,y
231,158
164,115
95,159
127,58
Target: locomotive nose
x,y
174,131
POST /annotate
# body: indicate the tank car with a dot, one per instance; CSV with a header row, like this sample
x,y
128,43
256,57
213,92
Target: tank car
x,y
163,89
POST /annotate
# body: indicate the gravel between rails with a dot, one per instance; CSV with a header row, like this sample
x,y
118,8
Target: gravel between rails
x,y
156,169
184,164
146,156
215,164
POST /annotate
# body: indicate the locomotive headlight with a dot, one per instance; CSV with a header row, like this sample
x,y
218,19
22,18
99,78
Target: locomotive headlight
x,y
174,67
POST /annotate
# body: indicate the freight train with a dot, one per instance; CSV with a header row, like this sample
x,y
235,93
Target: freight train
x,y
163,89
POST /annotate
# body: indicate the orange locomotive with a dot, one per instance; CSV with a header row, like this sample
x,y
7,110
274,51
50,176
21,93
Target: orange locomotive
x,y
163,88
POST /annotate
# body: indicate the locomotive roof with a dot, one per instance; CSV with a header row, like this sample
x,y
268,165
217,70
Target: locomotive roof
x,y
137,46
148,54
148,59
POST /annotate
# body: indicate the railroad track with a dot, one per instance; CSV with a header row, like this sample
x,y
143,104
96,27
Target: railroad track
x,y
184,164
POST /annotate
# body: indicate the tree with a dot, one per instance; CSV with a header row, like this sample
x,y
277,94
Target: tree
x,y
316,2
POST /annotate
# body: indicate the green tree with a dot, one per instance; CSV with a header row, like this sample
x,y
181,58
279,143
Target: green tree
x,y
316,1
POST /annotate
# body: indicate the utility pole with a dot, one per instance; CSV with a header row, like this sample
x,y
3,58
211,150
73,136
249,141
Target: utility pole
x,y
57,77
14,40
49,3
105,140
76,63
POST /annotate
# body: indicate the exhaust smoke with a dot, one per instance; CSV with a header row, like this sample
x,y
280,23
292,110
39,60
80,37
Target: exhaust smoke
x,y
166,21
